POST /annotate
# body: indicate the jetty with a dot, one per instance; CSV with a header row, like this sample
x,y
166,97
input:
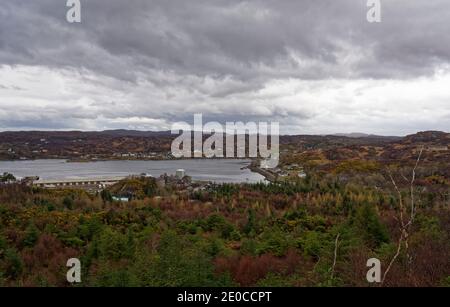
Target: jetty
x,y
86,183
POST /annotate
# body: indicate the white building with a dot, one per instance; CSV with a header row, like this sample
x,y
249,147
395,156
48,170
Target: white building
x,y
180,173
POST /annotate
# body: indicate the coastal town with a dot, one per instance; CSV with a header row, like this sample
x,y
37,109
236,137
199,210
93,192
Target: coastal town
x,y
179,181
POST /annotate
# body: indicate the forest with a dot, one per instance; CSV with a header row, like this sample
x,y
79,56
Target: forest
x,y
315,231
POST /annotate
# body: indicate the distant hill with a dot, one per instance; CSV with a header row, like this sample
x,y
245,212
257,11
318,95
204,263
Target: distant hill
x,y
432,137
124,132
133,144
84,144
365,135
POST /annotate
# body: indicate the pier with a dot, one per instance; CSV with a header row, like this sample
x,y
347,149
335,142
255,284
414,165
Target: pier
x,y
86,183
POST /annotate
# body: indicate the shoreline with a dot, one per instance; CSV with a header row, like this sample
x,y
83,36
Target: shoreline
x,y
241,164
69,160
268,175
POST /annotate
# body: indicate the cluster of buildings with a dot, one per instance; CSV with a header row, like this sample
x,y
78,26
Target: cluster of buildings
x,y
142,155
178,180
85,183
291,170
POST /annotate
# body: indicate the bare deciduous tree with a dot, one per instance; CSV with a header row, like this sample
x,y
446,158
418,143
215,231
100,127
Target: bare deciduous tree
x,y
406,219
336,245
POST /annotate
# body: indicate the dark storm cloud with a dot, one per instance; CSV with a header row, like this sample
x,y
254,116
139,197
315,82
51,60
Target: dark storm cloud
x,y
249,40
229,59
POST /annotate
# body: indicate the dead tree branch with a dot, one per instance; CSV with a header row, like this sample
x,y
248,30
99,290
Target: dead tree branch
x,y
404,225
336,243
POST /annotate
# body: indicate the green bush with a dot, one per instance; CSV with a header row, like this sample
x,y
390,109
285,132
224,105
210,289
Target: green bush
x,y
13,264
274,241
3,245
68,202
112,245
249,247
31,235
369,226
312,243
219,223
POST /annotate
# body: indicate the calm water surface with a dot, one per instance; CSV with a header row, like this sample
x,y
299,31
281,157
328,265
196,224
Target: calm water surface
x,y
216,170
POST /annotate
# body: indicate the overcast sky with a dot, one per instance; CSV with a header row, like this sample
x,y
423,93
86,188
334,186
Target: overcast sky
x,y
315,66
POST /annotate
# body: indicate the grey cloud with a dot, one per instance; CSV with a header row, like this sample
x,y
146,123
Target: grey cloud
x,y
243,39
169,58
